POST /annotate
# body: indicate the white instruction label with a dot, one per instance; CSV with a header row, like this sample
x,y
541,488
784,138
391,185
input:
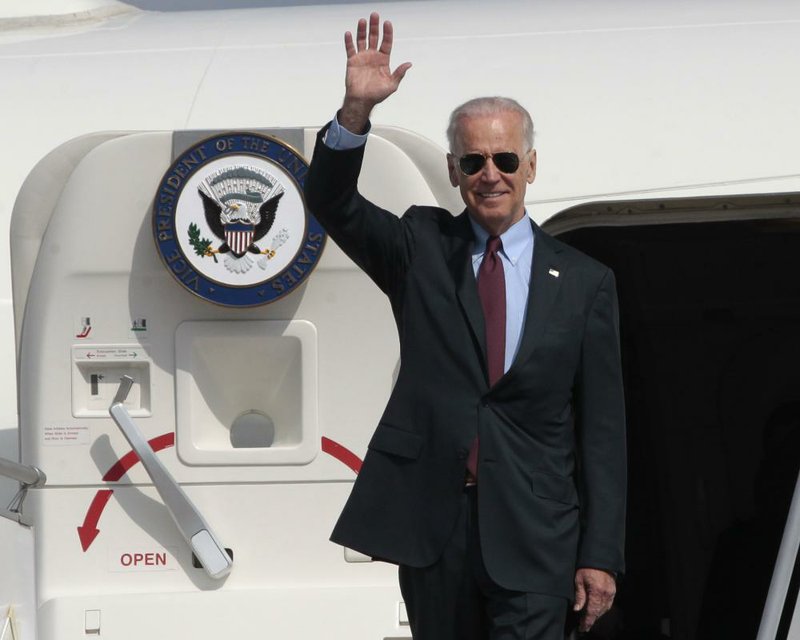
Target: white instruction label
x,y
111,353
65,436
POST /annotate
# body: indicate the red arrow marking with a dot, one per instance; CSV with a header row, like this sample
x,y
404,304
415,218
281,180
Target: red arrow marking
x,y
341,453
88,531
122,466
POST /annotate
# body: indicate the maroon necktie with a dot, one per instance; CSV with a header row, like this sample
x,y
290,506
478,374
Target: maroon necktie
x,y
492,292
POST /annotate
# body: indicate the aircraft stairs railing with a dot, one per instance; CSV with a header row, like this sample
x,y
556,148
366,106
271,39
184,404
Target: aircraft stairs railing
x,y
29,477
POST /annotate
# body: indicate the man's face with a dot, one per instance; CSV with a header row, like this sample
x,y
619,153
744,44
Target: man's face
x,y
496,200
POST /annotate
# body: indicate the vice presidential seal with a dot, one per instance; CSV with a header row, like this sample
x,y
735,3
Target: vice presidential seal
x,y
230,221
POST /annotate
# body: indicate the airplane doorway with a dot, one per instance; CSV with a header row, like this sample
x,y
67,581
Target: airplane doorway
x,y
710,328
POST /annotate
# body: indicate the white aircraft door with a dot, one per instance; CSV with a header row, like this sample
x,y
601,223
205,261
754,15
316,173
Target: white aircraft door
x,y
250,418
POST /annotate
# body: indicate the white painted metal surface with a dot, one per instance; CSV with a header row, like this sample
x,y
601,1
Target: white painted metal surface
x,y
17,582
630,99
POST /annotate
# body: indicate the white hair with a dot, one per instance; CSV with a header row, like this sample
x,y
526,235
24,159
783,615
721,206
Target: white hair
x,y
489,106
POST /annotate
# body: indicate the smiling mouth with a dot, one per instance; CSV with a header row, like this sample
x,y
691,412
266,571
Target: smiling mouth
x,y
492,194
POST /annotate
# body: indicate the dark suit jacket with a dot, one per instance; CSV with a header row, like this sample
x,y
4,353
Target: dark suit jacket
x,y
551,492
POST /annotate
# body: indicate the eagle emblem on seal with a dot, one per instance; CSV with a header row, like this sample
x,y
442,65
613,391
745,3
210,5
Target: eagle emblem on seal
x,y
240,205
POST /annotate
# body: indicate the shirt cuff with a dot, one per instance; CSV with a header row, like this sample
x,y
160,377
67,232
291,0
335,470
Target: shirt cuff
x,y
340,139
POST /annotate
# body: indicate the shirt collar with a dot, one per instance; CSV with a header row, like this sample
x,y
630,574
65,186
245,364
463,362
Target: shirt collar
x,y
515,239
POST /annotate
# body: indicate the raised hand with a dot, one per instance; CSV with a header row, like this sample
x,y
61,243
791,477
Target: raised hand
x,y
368,79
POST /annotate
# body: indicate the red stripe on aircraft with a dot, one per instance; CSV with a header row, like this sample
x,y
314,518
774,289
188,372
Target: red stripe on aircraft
x,y
122,466
89,531
341,453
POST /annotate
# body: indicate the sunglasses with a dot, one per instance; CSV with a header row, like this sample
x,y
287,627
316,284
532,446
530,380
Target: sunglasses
x,y
505,161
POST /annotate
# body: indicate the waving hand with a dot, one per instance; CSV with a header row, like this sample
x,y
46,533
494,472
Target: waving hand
x,y
369,79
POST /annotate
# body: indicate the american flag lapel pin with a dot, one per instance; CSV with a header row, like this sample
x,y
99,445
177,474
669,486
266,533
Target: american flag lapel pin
x,y
553,272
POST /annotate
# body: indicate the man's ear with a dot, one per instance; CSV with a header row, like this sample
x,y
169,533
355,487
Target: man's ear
x,y
452,169
532,166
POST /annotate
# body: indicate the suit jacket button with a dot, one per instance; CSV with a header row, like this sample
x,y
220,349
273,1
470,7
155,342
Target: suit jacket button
x,y
462,454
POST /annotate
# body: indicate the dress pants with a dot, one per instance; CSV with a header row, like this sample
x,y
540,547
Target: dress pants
x,y
455,599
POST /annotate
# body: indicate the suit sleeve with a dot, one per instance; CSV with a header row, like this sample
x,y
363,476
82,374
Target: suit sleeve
x,y
601,436
379,242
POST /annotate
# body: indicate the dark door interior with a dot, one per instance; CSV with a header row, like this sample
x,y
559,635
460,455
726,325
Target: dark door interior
x,y
710,322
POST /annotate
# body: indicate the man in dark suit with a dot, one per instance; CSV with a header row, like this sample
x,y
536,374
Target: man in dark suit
x,y
496,477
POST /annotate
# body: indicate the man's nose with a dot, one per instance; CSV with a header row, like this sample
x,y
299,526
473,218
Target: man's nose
x,y
490,172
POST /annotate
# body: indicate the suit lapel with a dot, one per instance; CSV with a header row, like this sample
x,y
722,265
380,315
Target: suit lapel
x,y
543,290
460,263
545,283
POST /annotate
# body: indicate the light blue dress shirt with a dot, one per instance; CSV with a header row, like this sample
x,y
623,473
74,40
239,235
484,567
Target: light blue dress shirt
x,y
340,139
516,255
517,258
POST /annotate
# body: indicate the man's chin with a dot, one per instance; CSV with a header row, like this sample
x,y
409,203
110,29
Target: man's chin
x,y
492,219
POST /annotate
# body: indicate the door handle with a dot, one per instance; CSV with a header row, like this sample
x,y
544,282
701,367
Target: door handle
x,y
193,527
